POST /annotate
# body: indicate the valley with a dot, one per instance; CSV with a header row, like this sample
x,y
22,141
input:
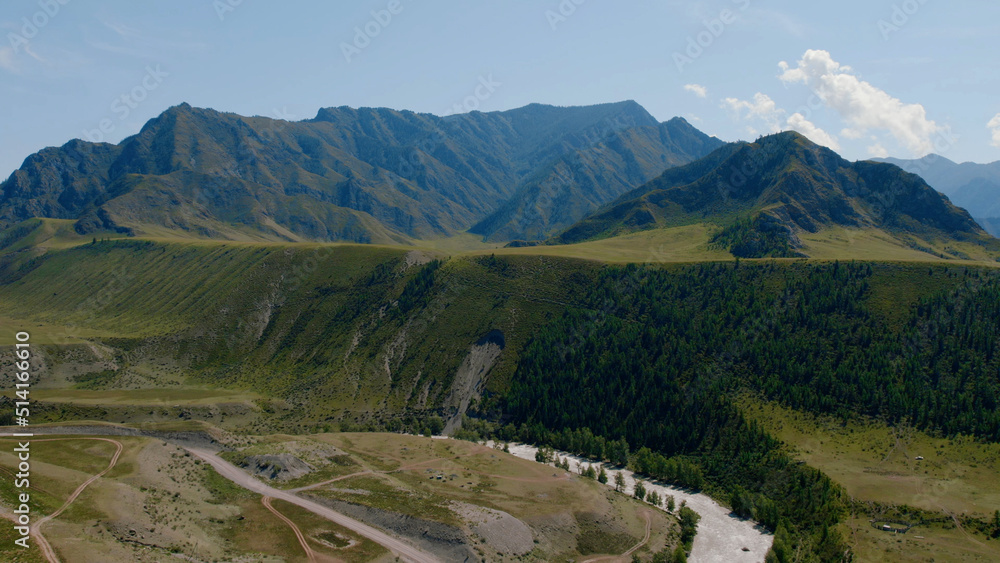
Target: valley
x,y
457,498
278,325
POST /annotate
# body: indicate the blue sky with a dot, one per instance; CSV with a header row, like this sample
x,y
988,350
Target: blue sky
x,y
869,78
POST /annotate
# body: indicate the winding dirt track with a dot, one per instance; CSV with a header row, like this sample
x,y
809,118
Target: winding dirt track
x,y
266,501
334,480
479,450
229,471
36,528
624,556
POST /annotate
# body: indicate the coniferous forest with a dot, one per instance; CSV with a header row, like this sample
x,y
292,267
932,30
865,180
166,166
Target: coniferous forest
x,y
653,358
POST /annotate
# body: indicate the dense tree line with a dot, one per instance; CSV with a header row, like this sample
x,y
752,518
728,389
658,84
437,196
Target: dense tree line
x,y
757,237
802,334
653,356
417,289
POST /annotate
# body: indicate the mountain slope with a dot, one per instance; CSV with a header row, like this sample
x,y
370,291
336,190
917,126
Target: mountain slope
x,y
580,181
363,175
767,193
972,186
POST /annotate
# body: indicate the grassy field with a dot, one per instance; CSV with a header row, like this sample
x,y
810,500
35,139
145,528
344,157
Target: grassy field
x,y
318,320
159,500
841,243
140,288
677,244
13,553
319,324
156,501
424,478
47,333
53,234
877,463
691,244
459,244
937,542
142,397
255,530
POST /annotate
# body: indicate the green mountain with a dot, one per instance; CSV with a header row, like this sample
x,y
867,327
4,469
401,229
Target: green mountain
x,y
363,175
972,186
769,193
578,182
644,365
645,362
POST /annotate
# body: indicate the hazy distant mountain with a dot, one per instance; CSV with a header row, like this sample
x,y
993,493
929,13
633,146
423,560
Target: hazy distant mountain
x,y
767,192
365,175
975,187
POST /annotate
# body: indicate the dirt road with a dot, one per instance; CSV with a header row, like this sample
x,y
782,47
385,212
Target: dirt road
x,y
402,549
36,528
625,556
266,501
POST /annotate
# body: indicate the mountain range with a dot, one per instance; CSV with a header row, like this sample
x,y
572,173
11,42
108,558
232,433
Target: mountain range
x,y
769,192
975,187
361,175
534,175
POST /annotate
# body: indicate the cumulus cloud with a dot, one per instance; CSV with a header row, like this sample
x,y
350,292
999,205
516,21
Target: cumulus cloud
x,y
994,126
852,133
697,90
798,122
864,106
878,151
762,107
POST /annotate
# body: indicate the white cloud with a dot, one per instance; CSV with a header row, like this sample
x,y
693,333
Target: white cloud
x,y
851,133
798,122
877,151
124,31
994,125
762,107
7,59
862,105
697,89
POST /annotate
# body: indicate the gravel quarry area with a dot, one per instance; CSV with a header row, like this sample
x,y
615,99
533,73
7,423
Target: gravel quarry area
x,y
721,537
280,467
501,531
446,542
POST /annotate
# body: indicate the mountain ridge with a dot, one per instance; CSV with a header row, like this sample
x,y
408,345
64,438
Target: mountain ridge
x,y
786,183
371,175
970,185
